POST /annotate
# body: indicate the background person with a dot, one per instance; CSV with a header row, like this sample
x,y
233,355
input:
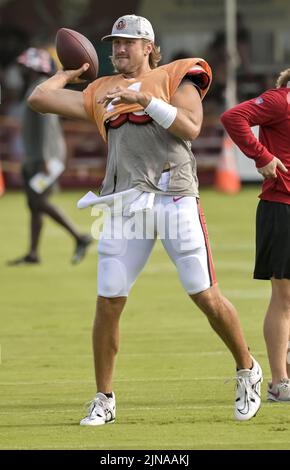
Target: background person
x,y
43,142
271,153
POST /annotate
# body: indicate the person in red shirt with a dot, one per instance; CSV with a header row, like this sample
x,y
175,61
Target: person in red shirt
x,y
271,153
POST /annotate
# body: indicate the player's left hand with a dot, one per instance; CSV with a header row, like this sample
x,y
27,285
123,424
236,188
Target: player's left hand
x,y
120,95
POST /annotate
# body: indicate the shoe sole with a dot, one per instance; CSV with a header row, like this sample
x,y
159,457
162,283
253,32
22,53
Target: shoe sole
x,y
274,400
99,424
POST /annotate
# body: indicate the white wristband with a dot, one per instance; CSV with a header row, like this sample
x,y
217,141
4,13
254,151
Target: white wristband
x,y
163,113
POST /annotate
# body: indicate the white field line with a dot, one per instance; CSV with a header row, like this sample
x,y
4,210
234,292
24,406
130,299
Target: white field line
x,y
168,267
218,247
236,247
161,354
247,294
141,354
215,378
135,408
147,379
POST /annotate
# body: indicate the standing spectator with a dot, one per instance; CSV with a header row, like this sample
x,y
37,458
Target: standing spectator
x,y
271,153
43,143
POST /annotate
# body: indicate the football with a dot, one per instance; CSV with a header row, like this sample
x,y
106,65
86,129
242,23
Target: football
x,y
74,50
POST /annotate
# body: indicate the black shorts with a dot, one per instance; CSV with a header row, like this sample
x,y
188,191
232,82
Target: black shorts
x,y
272,240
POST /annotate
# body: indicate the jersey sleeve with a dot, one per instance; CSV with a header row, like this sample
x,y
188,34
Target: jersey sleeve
x,y
265,110
196,70
199,77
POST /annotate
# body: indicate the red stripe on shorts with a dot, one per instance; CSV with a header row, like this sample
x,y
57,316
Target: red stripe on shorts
x,y
207,244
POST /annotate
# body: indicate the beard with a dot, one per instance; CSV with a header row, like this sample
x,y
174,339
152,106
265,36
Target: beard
x,y
120,65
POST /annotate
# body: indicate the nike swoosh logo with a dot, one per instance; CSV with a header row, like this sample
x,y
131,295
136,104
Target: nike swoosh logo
x,y
175,199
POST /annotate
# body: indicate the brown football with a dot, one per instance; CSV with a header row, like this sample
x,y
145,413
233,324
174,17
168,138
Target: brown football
x,y
74,50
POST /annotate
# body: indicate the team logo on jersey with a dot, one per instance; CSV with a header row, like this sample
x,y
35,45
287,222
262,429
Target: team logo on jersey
x,y
135,86
121,25
259,100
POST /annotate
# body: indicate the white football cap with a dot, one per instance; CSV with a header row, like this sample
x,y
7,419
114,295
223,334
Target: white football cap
x,y
131,26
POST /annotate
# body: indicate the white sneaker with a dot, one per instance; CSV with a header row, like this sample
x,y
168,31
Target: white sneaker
x,y
279,392
248,397
102,410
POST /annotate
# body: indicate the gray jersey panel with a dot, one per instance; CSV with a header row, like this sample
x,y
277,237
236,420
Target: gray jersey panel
x,y
138,154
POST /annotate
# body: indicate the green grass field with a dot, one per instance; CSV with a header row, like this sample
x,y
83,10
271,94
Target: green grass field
x,y
171,368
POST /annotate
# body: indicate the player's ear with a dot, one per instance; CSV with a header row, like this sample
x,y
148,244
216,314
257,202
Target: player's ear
x,y
148,47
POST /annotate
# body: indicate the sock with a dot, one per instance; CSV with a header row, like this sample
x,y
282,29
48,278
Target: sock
x,y
109,395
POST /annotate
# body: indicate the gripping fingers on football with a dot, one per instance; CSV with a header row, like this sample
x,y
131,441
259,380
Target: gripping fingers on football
x,y
73,75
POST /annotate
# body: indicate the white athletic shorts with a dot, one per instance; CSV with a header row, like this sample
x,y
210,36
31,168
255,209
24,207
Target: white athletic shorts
x,y
126,243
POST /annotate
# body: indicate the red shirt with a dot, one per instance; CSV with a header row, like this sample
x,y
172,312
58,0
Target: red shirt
x,y
271,111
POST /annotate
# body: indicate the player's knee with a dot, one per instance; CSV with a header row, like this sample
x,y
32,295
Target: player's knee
x,y
193,273
210,302
112,278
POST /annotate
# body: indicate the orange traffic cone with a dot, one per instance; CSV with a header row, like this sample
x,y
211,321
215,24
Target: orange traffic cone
x,y
227,177
2,183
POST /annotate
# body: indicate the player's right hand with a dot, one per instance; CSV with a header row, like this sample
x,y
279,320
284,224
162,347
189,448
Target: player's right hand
x,y
270,171
72,76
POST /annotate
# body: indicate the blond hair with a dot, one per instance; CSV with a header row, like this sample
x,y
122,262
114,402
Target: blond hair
x,y
283,79
154,56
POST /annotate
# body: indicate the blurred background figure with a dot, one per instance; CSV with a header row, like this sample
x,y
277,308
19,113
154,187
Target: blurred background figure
x,y
44,146
216,55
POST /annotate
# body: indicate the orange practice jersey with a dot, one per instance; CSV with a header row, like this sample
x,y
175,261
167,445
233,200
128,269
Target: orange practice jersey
x,y
161,82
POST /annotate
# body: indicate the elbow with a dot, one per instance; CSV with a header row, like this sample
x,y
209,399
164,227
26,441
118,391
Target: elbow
x,y
226,117
194,132
36,101
189,134
186,130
